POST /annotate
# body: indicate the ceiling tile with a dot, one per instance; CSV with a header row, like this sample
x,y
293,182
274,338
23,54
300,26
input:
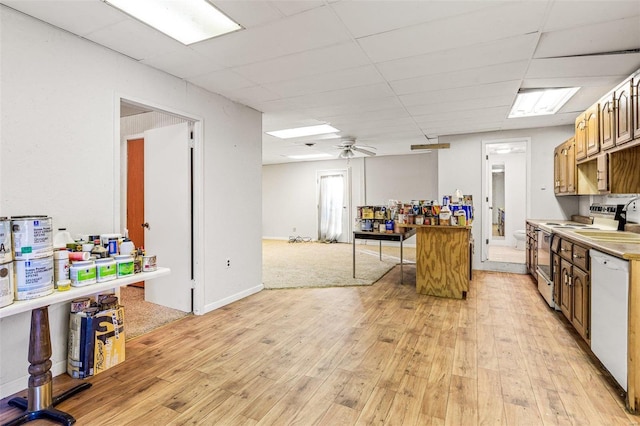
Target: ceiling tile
x,y
222,82
456,106
584,66
363,18
623,34
517,18
470,77
493,114
249,13
134,39
511,49
183,62
80,17
308,63
598,81
313,29
251,95
569,14
461,94
340,79
350,96
288,7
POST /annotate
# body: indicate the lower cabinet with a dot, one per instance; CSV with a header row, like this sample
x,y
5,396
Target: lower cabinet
x,y
531,255
572,285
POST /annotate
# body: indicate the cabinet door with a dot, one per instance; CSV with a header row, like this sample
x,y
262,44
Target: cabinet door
x,y
602,165
580,137
580,303
592,134
558,159
635,107
565,290
556,277
607,123
623,118
570,166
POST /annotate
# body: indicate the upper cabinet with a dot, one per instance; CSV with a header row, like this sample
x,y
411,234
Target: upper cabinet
x,y
564,167
592,135
606,151
623,103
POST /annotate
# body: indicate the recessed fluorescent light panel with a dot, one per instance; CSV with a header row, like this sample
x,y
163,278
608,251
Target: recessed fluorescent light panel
x,y
309,156
530,103
188,21
303,131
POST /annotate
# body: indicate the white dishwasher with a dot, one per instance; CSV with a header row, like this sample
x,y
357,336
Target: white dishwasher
x,y
609,313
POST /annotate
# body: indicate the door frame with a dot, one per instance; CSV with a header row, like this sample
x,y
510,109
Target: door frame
x,y
346,221
486,227
197,171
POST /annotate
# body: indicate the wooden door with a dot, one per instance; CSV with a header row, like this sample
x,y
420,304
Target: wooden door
x,y
135,193
635,109
565,291
602,173
580,302
580,134
592,127
607,123
557,278
570,165
558,158
623,118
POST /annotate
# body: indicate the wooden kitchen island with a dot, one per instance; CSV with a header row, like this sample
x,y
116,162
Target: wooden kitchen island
x,y
443,260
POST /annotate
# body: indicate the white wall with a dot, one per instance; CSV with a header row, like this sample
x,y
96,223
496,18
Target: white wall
x,y
59,155
289,189
460,167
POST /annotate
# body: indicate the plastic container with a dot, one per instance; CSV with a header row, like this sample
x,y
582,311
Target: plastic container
x,y
106,269
124,265
127,247
82,273
61,265
62,238
63,285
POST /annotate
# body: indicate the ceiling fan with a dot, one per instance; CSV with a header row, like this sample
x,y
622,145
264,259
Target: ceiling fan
x,y
349,147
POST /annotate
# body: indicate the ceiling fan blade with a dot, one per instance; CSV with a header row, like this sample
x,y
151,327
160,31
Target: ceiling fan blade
x,y
430,146
364,151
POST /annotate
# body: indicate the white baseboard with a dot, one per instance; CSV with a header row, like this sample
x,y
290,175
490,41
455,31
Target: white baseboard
x,y
233,298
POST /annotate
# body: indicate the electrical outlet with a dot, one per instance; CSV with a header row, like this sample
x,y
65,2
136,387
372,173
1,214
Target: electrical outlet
x,y
228,262
633,206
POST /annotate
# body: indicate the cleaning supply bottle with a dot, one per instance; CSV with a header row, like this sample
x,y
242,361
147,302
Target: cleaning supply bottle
x,y
127,247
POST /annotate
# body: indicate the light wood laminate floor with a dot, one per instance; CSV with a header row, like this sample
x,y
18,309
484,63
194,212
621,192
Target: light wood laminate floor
x,y
378,354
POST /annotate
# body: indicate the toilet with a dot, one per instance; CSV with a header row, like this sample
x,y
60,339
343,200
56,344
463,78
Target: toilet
x,y
520,235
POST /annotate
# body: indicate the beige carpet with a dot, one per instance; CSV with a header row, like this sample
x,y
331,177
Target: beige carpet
x,y
140,316
314,264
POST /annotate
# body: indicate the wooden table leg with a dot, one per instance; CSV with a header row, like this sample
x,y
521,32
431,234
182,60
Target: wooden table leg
x,y
40,402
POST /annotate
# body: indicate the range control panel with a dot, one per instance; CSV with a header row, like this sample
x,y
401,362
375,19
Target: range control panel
x,y
605,210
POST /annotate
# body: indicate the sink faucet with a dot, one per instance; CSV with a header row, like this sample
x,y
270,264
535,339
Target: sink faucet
x,y
621,216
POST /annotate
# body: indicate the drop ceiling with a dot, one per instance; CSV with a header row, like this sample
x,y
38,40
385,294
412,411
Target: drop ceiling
x,y
386,73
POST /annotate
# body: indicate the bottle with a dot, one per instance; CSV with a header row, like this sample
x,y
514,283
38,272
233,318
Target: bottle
x,y
445,212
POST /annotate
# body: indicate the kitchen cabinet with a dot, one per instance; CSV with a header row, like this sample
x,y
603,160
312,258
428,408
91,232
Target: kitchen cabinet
x,y
531,255
564,166
602,172
607,122
623,112
592,129
635,106
573,285
581,137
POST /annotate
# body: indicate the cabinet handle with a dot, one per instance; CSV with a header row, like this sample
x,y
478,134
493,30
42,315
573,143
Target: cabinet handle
x,y
577,256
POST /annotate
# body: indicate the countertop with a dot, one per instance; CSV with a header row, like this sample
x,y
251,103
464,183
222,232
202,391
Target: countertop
x,y
628,251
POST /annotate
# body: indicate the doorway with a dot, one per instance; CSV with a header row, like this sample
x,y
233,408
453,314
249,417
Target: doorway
x,y
165,146
504,199
334,205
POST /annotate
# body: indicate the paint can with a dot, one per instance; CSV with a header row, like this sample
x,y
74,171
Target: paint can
x,y
105,269
79,305
6,284
367,225
109,303
124,265
33,278
82,273
32,237
103,296
6,251
149,263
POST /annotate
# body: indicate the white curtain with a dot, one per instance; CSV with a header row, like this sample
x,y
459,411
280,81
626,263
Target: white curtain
x,y
331,203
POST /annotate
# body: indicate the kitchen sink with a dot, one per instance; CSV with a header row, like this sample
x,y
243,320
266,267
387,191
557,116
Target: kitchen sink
x,y
611,236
